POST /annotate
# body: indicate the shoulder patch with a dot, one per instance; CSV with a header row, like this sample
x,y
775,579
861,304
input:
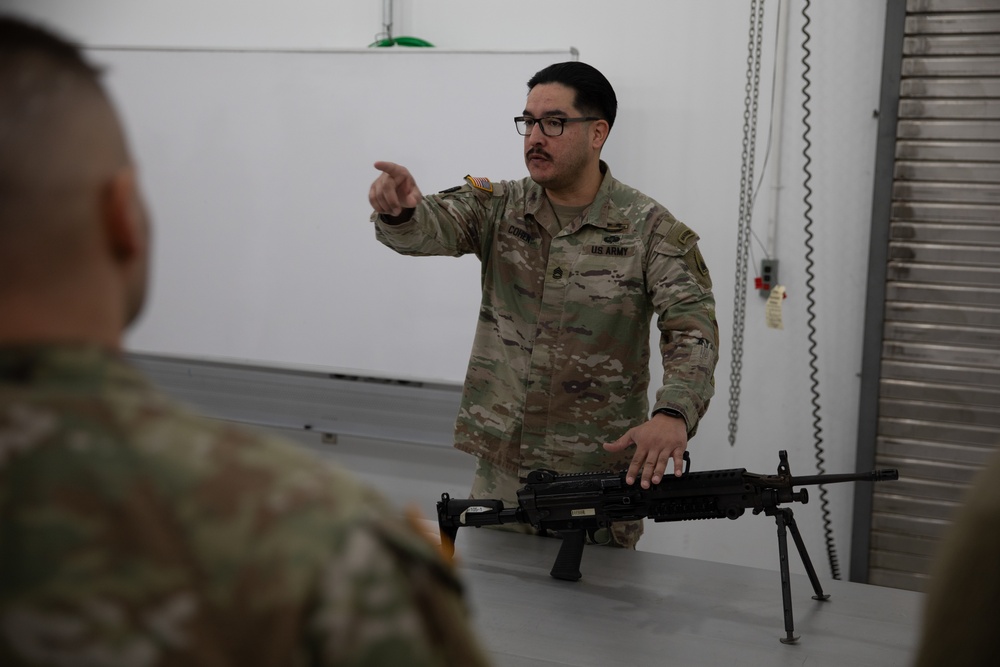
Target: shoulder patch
x,y
480,183
681,236
696,265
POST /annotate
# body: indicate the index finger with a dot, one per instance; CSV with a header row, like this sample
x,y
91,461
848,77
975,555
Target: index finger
x,y
391,168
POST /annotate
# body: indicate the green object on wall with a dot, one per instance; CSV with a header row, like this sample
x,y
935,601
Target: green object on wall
x,y
401,41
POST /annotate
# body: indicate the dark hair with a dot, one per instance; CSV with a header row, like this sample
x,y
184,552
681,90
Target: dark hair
x,y
594,94
41,73
20,39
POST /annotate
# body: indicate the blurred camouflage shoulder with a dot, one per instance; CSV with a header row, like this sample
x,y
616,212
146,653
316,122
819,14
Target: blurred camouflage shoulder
x,y
138,533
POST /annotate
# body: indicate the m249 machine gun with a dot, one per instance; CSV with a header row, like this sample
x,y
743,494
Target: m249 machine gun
x,y
577,504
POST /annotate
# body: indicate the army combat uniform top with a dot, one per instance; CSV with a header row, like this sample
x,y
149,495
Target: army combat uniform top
x,y
560,361
134,534
961,615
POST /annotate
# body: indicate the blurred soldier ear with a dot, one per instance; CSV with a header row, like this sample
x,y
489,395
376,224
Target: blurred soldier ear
x,y
122,216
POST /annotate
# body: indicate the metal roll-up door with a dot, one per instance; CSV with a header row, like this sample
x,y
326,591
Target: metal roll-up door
x,y
938,391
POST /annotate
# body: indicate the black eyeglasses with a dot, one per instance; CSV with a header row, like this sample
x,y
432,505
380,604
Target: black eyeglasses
x,y
551,126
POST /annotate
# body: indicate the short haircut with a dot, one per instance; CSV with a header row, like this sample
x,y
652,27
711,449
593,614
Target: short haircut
x,y
594,94
44,79
22,40
60,142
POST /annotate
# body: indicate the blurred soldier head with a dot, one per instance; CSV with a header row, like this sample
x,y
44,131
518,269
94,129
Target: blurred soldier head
x,y
74,238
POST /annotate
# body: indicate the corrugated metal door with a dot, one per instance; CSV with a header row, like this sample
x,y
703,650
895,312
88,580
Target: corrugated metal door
x,y
939,387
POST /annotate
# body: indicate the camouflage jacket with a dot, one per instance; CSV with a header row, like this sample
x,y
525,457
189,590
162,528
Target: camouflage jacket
x,y
560,360
961,614
135,534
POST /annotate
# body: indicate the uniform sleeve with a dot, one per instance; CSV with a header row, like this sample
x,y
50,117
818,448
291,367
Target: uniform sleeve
x,y
962,607
388,598
450,223
681,292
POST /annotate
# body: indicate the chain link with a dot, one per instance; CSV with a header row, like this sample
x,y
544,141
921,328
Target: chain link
x,y
746,209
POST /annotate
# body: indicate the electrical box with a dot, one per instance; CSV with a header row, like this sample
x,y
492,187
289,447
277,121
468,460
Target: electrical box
x,y
768,278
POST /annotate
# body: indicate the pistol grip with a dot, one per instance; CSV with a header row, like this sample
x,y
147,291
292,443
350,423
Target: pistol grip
x,y
567,565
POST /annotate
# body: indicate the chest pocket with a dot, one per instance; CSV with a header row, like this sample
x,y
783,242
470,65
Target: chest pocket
x,y
608,269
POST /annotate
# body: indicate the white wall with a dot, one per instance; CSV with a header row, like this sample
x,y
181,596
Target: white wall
x,y
678,67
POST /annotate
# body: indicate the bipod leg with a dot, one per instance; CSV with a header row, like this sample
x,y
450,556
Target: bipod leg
x,y
781,518
806,561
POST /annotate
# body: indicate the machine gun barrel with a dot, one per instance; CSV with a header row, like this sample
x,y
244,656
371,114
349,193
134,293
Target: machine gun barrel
x,y
881,475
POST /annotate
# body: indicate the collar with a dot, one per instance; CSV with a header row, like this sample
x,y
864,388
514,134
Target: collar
x,y
601,213
77,364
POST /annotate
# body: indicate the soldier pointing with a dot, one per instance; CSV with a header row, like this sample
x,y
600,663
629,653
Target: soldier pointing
x,y
576,265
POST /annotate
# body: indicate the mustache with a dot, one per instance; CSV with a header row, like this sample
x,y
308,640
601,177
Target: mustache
x,y
539,152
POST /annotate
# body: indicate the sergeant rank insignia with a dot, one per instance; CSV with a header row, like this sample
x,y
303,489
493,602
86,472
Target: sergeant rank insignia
x,y
480,183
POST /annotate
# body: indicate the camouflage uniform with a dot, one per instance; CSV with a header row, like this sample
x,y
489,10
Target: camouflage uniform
x,y
560,361
962,609
136,534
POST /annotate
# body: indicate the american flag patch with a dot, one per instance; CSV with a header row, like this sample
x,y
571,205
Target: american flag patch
x,y
480,183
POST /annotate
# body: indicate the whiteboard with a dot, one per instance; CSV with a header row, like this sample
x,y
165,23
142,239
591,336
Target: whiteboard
x,y
256,167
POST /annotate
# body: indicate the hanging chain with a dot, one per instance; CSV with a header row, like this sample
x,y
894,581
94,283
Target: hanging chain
x,y
746,209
